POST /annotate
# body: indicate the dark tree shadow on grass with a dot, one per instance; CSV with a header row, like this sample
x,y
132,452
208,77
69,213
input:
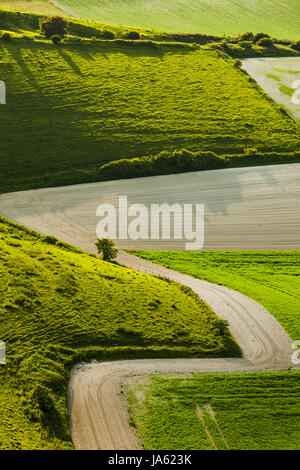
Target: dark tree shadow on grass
x,y
68,59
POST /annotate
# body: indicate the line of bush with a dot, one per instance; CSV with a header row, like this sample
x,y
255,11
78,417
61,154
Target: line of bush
x,y
183,161
164,163
256,45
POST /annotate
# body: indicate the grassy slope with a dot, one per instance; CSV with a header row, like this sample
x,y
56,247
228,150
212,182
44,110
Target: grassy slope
x,y
44,7
59,306
270,278
229,17
77,106
27,22
254,411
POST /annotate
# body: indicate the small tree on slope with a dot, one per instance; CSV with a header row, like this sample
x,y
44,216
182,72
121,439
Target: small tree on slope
x,y
54,26
107,248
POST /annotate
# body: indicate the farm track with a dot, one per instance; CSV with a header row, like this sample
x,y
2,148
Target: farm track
x,y
98,413
265,198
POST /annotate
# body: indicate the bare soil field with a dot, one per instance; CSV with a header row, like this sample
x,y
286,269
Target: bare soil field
x,y
253,208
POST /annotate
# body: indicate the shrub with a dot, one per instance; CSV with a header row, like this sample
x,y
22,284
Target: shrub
x,y
222,327
108,34
265,42
237,64
250,151
246,37
133,35
41,397
50,240
6,37
283,111
217,45
107,248
245,44
259,36
296,46
56,39
54,25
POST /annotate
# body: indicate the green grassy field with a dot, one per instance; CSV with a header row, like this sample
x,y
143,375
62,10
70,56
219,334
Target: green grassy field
x,y
27,23
241,412
60,306
220,17
227,17
76,106
270,278
44,7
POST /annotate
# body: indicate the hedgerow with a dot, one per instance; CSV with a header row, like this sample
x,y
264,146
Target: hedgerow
x,y
184,161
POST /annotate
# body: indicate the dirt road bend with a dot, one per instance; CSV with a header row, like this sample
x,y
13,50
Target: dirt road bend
x,y
98,411
245,208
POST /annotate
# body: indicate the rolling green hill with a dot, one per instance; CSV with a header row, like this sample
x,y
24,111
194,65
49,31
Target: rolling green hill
x,y
269,277
223,17
75,106
60,306
240,412
45,7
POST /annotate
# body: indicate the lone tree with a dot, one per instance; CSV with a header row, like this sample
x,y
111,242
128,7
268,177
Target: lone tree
x,y
107,248
54,26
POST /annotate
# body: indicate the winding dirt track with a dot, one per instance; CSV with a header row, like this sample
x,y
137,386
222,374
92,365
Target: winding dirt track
x,y
99,418
251,208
